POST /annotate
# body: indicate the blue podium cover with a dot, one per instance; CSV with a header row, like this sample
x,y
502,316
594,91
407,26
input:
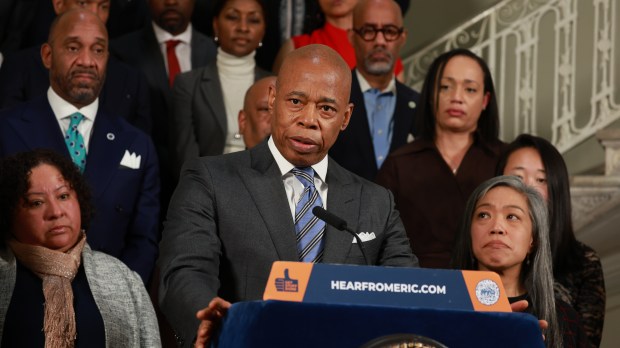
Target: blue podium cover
x,y
301,324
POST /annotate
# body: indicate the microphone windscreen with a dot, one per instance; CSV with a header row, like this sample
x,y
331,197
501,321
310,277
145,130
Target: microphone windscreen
x,y
329,218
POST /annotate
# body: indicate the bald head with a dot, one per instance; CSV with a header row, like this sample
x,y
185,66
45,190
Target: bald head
x,y
310,104
73,16
377,39
318,55
255,120
368,7
76,55
101,8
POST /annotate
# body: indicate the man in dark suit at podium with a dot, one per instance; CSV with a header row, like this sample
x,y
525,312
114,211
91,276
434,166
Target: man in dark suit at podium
x,y
232,216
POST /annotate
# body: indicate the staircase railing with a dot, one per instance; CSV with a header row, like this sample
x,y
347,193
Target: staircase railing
x,y
553,62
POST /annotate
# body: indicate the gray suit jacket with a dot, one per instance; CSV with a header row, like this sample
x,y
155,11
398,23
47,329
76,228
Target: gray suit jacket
x,y
198,116
229,220
125,307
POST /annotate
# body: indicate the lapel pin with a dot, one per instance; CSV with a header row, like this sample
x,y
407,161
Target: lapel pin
x,y
111,136
412,104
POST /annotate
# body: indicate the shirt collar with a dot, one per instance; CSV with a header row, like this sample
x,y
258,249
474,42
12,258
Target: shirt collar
x,y
163,36
63,108
365,86
286,166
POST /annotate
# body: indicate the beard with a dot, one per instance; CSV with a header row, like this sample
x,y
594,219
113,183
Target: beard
x,y
79,92
381,67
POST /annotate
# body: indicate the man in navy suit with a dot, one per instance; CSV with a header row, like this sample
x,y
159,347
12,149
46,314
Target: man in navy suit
x,y
120,164
383,117
125,92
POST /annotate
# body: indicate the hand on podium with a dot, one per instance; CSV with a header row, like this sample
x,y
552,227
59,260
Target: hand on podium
x,y
210,317
521,306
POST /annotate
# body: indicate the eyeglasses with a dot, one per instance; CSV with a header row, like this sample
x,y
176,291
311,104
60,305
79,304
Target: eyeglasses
x,y
369,33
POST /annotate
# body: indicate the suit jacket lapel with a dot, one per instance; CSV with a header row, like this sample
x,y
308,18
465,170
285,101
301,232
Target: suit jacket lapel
x,y
403,118
153,63
343,200
264,182
108,143
360,129
39,127
212,92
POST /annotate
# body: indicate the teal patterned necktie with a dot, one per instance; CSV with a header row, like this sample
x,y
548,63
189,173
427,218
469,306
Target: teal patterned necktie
x,y
75,142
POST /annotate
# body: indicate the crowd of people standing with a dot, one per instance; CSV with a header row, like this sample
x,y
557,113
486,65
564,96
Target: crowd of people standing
x,y
180,152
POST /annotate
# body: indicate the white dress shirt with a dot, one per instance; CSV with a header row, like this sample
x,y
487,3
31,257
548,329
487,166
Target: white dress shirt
x,y
183,49
63,111
293,187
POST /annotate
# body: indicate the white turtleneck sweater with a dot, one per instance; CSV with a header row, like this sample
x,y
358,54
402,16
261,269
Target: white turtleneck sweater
x,y
236,76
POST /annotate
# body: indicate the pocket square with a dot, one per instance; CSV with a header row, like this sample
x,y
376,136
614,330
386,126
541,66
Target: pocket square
x,y
365,236
131,160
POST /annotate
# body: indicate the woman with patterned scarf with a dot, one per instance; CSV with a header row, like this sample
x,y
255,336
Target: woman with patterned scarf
x,y
89,298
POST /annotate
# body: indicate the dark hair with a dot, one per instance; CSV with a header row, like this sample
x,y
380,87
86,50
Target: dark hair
x,y
564,246
314,17
219,6
15,174
488,123
537,274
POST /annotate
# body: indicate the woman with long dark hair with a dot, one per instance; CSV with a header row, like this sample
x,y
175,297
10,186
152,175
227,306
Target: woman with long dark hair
x,y
576,267
456,149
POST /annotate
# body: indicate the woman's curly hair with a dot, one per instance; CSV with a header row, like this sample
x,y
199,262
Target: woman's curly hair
x,y
15,174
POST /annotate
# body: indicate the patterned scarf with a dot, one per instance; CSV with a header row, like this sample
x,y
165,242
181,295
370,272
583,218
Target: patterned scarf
x,y
57,270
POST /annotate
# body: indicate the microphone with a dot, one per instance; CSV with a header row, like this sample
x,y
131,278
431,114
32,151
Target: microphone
x,y
340,224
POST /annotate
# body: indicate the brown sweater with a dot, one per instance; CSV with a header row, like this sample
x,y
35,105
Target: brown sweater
x,y
430,198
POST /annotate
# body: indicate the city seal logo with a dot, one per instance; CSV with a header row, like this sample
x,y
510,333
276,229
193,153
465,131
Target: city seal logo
x,y
287,284
487,292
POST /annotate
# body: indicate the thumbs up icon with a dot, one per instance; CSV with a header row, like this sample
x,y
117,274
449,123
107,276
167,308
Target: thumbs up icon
x,y
287,284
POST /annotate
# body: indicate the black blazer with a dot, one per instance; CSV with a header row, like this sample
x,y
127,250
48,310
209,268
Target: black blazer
x,y
353,148
141,50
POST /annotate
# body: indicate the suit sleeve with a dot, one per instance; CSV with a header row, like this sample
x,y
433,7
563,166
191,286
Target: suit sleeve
x,y
143,118
396,249
141,250
183,135
190,251
12,78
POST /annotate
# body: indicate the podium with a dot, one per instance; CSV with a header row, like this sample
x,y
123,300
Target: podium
x,y
348,306
301,325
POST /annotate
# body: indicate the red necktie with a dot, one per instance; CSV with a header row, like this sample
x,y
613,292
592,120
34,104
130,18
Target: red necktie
x,y
173,62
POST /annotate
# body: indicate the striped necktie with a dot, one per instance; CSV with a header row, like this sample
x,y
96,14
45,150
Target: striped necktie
x,y
309,229
75,141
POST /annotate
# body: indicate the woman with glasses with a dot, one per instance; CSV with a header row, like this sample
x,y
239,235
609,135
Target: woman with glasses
x,y
336,18
456,149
